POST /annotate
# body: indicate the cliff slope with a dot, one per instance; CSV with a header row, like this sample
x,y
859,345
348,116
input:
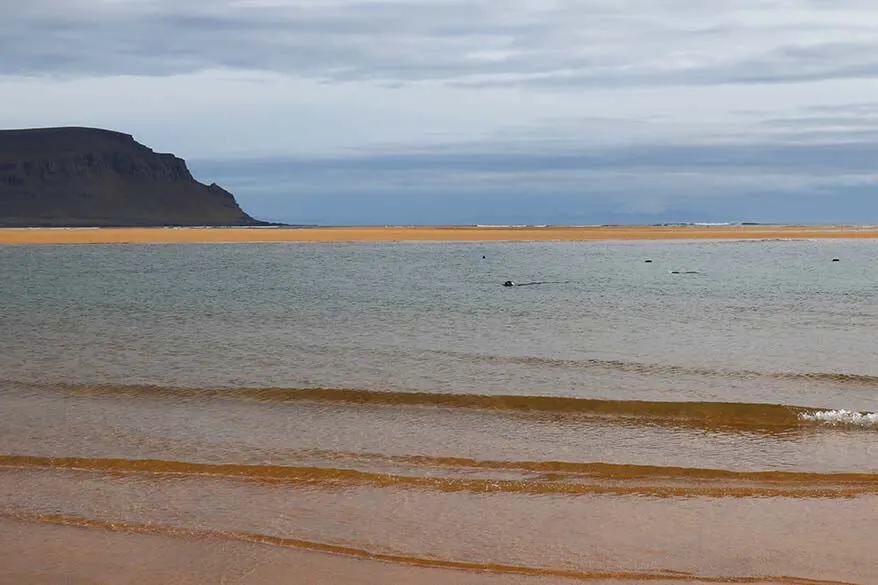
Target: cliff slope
x,y
91,177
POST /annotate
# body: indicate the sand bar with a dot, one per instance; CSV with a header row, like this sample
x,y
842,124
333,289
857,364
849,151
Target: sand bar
x,y
401,234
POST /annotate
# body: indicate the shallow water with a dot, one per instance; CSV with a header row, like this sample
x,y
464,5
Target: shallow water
x,y
394,403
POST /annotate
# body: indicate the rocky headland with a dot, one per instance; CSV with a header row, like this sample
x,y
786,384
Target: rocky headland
x,y
72,177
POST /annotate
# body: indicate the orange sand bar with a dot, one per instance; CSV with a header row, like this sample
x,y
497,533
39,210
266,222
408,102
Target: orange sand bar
x,y
396,234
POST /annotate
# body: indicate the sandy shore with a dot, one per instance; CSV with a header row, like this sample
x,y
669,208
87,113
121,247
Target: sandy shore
x,y
392,234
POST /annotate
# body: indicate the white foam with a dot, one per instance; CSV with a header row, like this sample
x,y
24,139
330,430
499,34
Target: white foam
x,y
511,225
841,417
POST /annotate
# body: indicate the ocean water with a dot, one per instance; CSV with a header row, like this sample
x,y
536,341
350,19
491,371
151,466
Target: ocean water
x,y
370,413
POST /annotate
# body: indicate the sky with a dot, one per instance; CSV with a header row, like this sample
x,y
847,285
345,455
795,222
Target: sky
x,y
375,112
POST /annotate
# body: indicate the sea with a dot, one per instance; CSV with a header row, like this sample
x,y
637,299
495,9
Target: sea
x,y
629,412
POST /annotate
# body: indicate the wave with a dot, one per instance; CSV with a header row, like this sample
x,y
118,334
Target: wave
x,y
618,471
641,575
547,478
833,377
710,412
655,575
632,367
759,417
667,369
718,415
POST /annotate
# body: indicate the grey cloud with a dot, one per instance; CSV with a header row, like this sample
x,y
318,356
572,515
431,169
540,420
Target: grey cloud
x,y
473,43
853,125
853,121
627,185
789,169
829,136
787,64
699,165
852,109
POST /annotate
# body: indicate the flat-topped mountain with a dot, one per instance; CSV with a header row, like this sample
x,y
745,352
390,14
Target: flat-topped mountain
x,y
92,177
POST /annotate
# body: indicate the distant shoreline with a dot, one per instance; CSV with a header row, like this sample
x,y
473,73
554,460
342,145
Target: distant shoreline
x,y
414,234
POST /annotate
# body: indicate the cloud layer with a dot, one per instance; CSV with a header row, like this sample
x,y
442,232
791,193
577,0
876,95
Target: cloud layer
x,y
546,43
643,184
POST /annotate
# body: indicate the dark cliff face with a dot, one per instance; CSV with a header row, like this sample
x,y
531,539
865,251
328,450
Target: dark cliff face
x,y
91,177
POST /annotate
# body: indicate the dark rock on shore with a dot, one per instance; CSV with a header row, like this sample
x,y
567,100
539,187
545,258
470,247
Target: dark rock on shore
x,y
89,177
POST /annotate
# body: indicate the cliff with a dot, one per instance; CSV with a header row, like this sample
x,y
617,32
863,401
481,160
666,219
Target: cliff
x,y
92,177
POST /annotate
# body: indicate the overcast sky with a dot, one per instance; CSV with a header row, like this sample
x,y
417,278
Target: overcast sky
x,y
480,111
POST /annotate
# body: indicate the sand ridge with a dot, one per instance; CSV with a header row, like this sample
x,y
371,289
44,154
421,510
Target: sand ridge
x,y
437,233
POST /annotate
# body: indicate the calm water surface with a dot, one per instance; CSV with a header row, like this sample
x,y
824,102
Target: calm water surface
x,y
704,417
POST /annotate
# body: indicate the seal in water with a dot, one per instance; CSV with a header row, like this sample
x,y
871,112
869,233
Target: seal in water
x,y
508,283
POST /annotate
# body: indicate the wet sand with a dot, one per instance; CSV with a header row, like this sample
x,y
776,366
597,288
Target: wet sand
x,y
439,233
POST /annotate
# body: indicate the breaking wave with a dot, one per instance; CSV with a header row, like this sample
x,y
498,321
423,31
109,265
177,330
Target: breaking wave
x,y
841,417
710,415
